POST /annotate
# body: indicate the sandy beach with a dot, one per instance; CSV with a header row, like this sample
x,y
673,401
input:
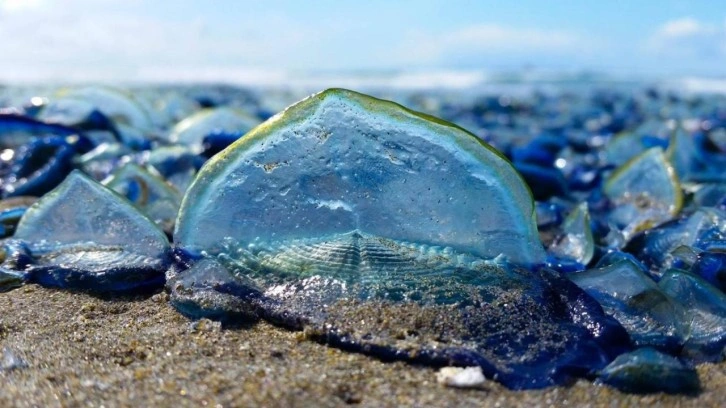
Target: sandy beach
x,y
73,349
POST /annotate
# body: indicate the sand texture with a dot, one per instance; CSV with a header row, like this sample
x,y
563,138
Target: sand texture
x,y
75,350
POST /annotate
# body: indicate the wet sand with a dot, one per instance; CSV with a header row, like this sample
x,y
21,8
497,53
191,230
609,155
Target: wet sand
x,y
80,350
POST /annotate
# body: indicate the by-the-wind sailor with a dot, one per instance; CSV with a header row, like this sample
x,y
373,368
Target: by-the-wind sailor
x,y
647,370
627,293
705,323
691,242
41,165
576,240
177,164
369,226
645,192
209,289
626,145
119,105
129,119
17,130
696,157
11,210
192,130
83,235
710,194
9,279
398,300
148,192
103,160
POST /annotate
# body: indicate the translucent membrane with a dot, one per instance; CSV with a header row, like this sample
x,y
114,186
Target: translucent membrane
x,y
340,161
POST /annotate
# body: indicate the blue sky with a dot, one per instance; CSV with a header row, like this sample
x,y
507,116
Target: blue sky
x,y
266,41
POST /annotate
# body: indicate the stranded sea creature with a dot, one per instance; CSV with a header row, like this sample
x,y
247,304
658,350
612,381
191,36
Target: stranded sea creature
x,y
82,235
221,121
378,229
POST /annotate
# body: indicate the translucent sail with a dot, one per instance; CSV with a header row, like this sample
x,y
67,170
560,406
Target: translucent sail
x,y
340,161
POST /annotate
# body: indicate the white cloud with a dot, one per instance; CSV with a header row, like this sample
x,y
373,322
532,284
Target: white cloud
x,y
688,37
685,27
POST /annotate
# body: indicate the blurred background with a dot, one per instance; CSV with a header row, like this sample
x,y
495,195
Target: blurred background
x,y
404,44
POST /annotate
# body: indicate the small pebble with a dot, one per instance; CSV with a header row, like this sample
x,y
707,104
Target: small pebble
x,y
10,361
205,326
348,394
459,377
88,383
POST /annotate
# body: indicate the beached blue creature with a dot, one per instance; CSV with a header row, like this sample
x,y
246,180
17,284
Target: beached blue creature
x,y
626,145
149,192
177,164
82,235
102,111
712,194
35,156
648,370
381,230
11,210
644,192
217,121
170,105
681,314
696,157
694,242
19,130
627,293
574,242
10,279
704,323
40,165
103,160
